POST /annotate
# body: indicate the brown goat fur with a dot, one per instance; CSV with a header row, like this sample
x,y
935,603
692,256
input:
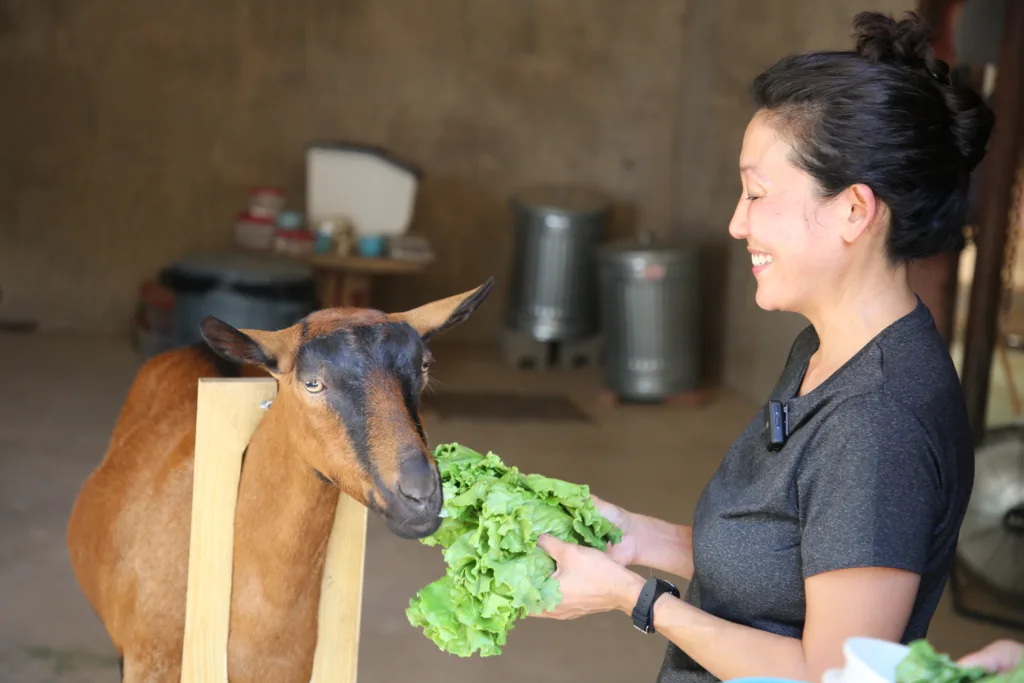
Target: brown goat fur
x,y
345,421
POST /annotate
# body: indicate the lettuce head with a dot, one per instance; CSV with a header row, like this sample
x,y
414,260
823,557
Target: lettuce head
x,y
496,574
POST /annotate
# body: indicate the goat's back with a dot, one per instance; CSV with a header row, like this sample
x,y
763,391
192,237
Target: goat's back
x,y
128,534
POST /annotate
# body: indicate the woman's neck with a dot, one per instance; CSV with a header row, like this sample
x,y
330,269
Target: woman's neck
x,y
852,317
283,519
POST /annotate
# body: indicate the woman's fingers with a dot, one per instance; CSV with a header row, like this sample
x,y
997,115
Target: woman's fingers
x,y
997,657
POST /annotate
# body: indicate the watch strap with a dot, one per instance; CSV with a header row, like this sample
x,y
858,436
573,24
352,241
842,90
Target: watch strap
x,y
643,612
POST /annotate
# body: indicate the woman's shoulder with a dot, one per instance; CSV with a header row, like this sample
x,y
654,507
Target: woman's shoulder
x,y
917,372
868,440
884,432
868,417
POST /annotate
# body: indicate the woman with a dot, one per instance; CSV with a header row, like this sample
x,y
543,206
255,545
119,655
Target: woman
x,y
854,164
999,656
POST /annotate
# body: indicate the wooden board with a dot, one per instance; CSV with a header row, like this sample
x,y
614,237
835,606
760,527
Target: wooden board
x,y
369,266
341,596
228,413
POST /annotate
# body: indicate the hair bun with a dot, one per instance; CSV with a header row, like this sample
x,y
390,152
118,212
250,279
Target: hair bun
x,y
880,38
907,44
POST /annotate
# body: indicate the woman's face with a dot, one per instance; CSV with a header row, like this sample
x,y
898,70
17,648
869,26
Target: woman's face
x,y
798,243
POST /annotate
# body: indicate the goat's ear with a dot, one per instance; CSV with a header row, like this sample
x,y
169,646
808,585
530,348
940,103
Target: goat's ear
x,y
437,316
272,351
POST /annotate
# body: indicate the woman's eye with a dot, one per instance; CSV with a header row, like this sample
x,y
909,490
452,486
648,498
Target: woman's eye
x,y
750,198
313,386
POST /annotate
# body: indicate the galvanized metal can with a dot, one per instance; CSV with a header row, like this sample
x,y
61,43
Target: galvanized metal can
x,y
650,308
553,289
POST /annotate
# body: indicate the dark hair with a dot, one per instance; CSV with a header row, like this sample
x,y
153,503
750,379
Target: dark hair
x,y
885,115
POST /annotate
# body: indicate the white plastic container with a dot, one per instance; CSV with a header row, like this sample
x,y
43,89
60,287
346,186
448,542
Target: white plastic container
x,y
868,660
373,188
254,231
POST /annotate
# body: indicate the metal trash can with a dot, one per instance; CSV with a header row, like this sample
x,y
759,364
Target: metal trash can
x,y
650,310
246,290
553,288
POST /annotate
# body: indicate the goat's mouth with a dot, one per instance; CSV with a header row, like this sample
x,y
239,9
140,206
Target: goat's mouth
x,y
412,529
410,521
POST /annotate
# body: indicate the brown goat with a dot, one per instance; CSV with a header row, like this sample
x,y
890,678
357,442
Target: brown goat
x,y
345,420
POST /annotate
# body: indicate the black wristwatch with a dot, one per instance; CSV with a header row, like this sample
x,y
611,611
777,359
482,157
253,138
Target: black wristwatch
x,y
643,612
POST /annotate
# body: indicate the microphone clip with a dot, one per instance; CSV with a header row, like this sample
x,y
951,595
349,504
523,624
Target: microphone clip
x,y
776,424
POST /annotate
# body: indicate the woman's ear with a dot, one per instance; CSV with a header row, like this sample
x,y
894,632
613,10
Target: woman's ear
x,y
860,208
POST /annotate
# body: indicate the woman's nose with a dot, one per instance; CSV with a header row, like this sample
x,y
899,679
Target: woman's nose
x,y
738,225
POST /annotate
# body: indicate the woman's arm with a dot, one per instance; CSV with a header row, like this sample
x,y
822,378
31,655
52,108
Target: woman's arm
x,y
842,603
664,546
870,602
650,542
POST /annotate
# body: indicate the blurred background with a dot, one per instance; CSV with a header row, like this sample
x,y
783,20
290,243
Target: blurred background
x,y
257,160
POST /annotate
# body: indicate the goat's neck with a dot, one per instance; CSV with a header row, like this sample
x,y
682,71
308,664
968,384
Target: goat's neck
x,y
284,517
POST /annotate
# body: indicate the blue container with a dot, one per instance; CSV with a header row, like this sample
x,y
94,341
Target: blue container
x,y
289,220
324,243
371,246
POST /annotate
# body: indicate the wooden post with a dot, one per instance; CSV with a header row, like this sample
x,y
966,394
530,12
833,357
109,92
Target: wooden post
x,y
229,410
341,596
999,173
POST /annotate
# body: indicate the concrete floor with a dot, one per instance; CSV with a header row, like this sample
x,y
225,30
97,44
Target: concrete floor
x,y
62,395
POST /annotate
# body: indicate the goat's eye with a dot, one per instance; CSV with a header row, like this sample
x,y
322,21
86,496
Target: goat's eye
x,y
313,386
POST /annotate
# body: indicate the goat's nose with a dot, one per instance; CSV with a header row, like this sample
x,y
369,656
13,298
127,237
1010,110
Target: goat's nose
x,y
418,481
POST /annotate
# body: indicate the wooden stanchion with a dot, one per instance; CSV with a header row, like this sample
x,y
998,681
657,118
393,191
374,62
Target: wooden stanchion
x,y
229,411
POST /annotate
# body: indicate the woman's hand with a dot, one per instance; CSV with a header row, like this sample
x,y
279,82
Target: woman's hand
x,y
997,657
625,551
590,580
648,541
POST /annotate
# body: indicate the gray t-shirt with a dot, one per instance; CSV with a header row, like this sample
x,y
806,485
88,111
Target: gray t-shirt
x,y
876,472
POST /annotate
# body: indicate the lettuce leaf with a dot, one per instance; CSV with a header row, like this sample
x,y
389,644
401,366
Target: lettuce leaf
x,y
496,574
924,665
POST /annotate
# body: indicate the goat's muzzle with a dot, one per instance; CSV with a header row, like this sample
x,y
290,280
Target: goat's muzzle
x,y
414,506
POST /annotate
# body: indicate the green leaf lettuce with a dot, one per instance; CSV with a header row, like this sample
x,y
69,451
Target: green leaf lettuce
x,y
496,574
924,665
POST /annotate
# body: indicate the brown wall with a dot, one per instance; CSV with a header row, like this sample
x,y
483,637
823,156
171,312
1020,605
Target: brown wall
x,y
132,130
728,43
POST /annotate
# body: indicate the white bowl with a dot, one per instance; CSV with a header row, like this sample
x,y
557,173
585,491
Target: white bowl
x,y
868,660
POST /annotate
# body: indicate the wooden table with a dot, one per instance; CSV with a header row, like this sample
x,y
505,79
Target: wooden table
x,y
345,281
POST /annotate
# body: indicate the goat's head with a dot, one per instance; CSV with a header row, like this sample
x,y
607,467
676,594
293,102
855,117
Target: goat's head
x,y
349,386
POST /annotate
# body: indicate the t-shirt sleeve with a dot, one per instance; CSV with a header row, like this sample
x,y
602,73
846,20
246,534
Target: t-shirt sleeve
x,y
869,491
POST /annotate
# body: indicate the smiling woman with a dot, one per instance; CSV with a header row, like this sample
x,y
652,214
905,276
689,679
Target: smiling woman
x,y
844,522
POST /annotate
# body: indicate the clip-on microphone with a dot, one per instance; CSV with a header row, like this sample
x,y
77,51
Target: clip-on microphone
x,y
776,424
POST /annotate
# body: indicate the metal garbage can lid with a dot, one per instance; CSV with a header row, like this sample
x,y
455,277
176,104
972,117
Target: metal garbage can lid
x,y
565,200
646,250
237,267
268,276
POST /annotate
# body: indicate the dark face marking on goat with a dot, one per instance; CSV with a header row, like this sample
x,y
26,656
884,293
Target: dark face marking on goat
x,y
349,386
370,378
